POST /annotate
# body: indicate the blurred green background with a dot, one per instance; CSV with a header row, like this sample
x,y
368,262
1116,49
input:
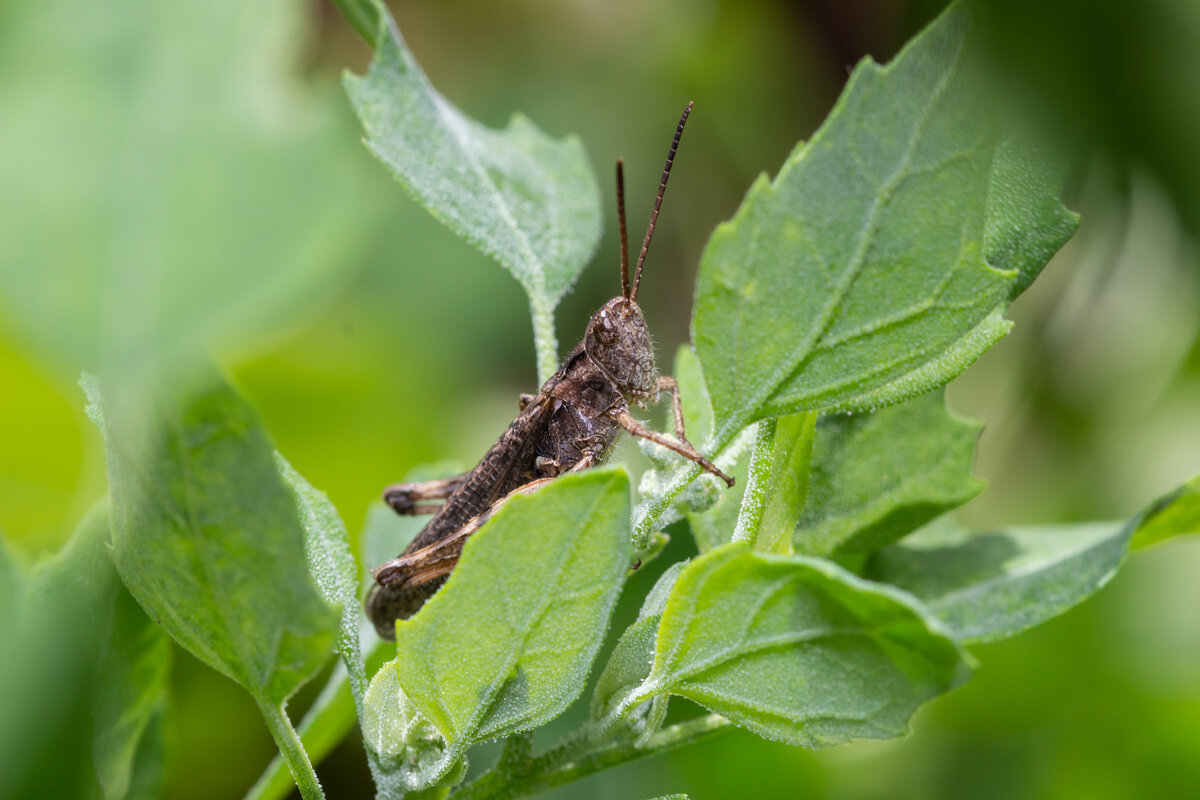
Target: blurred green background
x,y
389,343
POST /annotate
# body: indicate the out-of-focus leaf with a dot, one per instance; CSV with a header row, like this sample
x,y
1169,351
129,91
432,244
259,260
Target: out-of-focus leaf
x,y
523,198
877,477
206,535
169,187
1171,515
129,700
507,643
797,649
991,585
122,662
869,247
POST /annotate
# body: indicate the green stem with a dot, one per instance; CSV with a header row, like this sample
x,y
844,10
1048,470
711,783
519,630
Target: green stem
x,y
363,16
574,759
754,501
545,342
292,751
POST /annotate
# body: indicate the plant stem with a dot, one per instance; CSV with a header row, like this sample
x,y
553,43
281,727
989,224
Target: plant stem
x,y
754,502
545,342
574,759
292,751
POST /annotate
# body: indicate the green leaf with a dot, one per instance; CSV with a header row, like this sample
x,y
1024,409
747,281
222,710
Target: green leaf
x,y
869,249
523,198
994,584
1173,514
507,643
990,585
878,477
693,395
206,535
797,649
714,526
342,701
169,186
125,658
131,698
633,656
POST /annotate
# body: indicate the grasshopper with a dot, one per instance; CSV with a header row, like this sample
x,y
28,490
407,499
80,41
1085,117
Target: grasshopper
x,y
568,426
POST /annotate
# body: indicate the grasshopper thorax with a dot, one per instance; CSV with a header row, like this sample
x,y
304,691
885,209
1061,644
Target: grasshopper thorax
x,y
618,341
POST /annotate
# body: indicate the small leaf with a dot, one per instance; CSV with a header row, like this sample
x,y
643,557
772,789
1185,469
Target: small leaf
x,y
507,643
1171,515
523,198
206,536
633,655
877,477
869,248
990,585
797,649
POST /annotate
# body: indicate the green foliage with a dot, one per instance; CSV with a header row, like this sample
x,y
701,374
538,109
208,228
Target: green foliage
x,y
162,215
797,649
1171,515
995,584
190,473
874,268
526,200
206,536
877,477
910,175
124,674
507,644
896,181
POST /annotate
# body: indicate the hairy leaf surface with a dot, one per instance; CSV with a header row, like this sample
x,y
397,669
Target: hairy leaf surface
x,y
523,198
877,477
797,649
206,535
869,247
507,643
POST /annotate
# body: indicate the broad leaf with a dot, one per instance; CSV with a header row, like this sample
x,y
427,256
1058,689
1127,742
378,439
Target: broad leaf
x,y
523,198
877,477
206,535
869,247
169,186
991,585
797,649
507,643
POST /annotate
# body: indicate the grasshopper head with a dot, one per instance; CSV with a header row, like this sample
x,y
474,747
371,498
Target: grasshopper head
x,y
618,340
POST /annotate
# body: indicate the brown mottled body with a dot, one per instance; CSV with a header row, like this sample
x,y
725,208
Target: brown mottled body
x,y
568,426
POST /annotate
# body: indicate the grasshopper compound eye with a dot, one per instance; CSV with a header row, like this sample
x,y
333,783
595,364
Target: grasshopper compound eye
x,y
606,330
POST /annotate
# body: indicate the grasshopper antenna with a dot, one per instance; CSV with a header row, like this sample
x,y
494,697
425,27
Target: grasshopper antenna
x,y
662,188
621,225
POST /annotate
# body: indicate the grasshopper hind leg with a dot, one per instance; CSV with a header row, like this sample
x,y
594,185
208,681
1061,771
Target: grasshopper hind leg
x,y
406,498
